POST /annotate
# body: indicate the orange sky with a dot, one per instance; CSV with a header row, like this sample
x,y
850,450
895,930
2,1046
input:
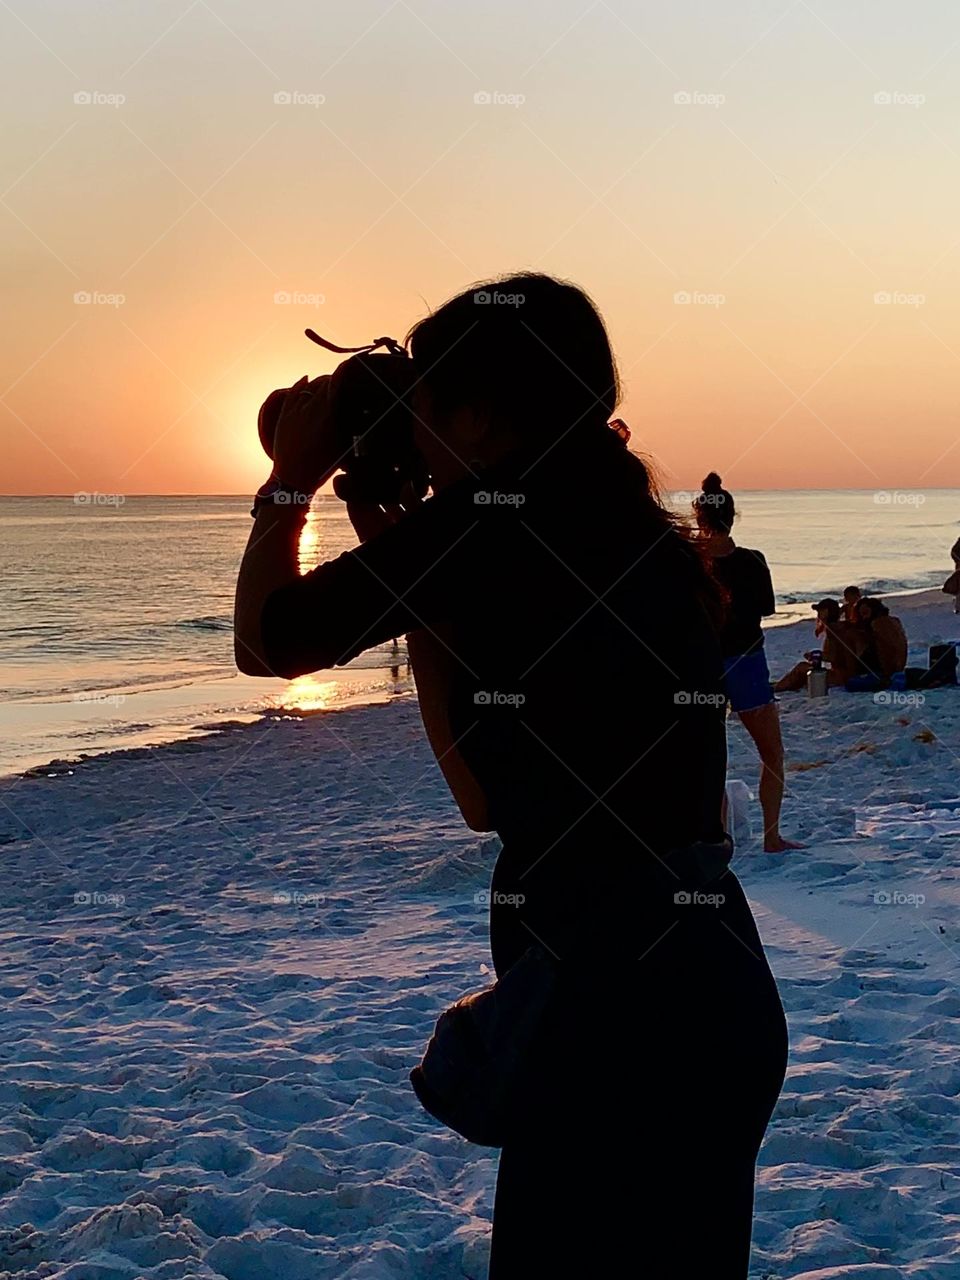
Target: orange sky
x,y
781,165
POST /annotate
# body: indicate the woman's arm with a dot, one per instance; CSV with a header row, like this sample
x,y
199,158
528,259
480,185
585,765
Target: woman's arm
x,y
433,669
768,599
270,588
433,661
304,458
269,561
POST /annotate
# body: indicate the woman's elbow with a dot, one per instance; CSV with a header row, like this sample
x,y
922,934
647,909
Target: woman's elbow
x,y
249,663
283,647
274,665
256,656
482,826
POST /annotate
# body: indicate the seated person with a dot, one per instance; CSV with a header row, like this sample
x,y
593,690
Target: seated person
x,y
843,647
851,602
887,651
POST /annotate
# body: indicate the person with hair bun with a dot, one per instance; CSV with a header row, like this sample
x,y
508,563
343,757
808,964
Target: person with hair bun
x,y
745,577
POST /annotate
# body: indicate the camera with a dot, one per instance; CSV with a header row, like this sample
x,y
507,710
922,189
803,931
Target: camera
x,y
372,418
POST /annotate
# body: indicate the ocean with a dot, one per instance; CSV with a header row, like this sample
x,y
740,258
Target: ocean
x,y
116,619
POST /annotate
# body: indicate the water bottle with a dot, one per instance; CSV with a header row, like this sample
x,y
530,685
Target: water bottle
x,y
816,676
738,811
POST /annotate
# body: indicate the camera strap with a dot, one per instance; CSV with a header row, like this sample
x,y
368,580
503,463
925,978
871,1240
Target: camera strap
x,y
389,344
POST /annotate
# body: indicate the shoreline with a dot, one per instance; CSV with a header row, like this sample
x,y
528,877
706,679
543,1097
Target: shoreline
x,y
201,715
325,692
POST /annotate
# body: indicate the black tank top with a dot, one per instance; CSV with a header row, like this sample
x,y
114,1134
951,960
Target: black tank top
x,y
587,699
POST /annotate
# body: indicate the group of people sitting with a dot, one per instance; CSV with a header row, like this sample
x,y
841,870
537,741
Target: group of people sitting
x,y
862,644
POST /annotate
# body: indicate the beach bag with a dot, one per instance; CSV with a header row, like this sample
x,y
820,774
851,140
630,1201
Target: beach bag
x,y
952,585
943,665
470,1073
473,1076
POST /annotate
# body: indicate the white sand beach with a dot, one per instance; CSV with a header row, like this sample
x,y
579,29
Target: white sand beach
x,y
223,956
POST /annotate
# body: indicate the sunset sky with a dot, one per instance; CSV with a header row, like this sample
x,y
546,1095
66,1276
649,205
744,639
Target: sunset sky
x,y
780,163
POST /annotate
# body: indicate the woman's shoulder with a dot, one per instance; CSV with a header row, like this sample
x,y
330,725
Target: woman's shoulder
x,y
750,562
750,553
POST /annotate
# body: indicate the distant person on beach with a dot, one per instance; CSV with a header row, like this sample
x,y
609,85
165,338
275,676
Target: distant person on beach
x,y
842,649
544,550
746,580
851,601
887,650
952,584
848,610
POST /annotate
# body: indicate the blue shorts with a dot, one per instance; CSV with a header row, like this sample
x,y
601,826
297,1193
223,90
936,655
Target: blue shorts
x,y
746,679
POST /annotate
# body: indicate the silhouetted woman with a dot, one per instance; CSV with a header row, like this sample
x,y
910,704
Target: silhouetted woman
x,y
745,577
543,552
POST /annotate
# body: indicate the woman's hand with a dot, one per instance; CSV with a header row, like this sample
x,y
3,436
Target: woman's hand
x,y
369,520
304,448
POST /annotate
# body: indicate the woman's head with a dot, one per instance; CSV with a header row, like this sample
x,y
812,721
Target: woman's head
x,y
714,507
516,361
869,609
522,362
828,611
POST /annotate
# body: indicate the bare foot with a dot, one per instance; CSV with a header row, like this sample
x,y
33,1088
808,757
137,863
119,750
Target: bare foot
x,y
777,844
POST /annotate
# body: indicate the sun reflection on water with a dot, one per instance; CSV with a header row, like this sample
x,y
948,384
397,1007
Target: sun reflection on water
x,y
307,693
308,551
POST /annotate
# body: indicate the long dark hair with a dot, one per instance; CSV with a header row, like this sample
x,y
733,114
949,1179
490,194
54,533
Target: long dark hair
x,y
529,352
531,355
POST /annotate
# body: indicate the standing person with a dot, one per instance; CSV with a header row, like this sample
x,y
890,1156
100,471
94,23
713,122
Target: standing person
x,y
952,584
540,551
745,577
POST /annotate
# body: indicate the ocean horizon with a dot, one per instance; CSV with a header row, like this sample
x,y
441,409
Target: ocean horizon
x,y
119,615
